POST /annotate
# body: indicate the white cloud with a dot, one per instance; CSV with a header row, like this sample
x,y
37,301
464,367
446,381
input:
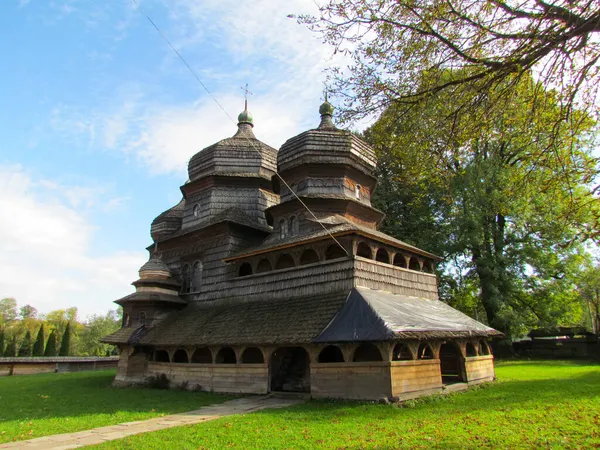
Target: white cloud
x,y
45,248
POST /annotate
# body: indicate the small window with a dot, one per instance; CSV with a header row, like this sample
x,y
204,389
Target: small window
x,y
282,229
142,319
357,191
196,277
125,320
196,210
293,226
186,282
245,269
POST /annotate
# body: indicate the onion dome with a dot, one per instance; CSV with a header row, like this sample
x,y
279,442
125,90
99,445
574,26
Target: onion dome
x,y
245,118
168,222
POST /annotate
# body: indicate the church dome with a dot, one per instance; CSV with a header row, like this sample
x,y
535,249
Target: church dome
x,y
245,117
326,109
167,222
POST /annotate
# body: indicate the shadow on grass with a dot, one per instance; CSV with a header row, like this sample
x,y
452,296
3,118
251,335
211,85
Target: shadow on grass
x,y
70,395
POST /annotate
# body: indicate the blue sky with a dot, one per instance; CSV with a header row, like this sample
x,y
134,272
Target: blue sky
x,y
99,118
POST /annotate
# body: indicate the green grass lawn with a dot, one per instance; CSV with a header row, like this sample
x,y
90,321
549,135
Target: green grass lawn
x,y
533,405
40,405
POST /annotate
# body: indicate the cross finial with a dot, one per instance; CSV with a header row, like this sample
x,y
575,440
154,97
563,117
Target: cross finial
x,y
325,90
246,93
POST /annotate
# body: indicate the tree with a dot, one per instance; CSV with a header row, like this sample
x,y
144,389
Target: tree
x,y
38,347
25,349
65,345
11,349
95,328
392,42
28,312
508,215
51,345
2,344
8,310
589,289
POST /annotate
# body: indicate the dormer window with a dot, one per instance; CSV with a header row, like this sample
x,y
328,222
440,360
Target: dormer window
x,y
196,211
357,191
282,229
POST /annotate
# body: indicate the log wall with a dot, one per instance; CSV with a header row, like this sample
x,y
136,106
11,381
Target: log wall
x,y
33,365
232,378
414,378
355,381
480,368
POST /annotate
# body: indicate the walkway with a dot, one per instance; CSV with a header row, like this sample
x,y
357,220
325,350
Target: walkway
x,y
103,434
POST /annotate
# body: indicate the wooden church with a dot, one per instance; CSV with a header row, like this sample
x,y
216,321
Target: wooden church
x,y
259,285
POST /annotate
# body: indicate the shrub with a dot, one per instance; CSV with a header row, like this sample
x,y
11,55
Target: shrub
x,y
157,382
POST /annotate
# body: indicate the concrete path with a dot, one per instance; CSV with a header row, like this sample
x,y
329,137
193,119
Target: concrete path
x,y
102,434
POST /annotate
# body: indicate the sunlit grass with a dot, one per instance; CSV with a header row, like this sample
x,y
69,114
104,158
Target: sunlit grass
x,y
40,405
533,405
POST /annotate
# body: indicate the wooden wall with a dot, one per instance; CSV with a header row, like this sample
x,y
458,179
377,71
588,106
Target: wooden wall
x,y
480,368
356,381
233,378
414,378
33,365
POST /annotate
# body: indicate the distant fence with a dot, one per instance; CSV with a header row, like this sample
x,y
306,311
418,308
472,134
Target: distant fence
x,y
43,364
559,348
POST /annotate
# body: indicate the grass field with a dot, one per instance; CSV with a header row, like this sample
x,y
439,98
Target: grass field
x,y
533,405
40,405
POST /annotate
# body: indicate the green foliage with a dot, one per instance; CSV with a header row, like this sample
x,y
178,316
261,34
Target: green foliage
x,y
65,344
96,327
25,349
8,310
11,348
2,344
28,312
38,347
51,345
505,212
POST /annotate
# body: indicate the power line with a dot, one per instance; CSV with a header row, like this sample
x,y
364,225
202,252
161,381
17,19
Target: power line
x,y
195,75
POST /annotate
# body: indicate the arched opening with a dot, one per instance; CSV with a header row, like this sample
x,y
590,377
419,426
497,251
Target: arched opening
x,y
424,352
196,276
186,273
142,319
331,354
414,264
451,363
363,250
357,191
161,356
196,210
382,256
471,350
367,352
264,266
399,260
282,229
485,348
202,355
290,370
309,256
334,251
402,353
428,266
226,356
252,355
180,356
293,228
245,270
285,262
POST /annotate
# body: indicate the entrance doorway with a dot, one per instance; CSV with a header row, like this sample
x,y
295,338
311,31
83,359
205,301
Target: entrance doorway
x,y
290,370
451,363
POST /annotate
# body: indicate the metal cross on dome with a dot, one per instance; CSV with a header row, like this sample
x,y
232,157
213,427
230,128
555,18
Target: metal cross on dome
x,y
246,92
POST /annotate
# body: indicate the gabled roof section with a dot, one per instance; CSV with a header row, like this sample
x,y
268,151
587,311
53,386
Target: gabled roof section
x,y
372,315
